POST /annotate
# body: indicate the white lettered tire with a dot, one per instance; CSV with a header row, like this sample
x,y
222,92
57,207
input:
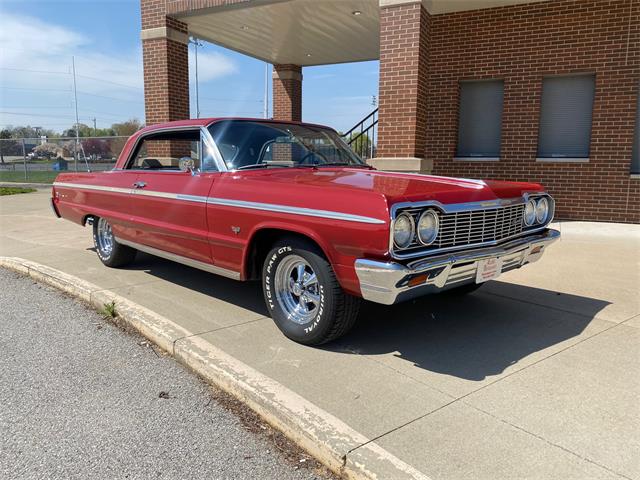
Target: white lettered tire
x,y
303,295
110,252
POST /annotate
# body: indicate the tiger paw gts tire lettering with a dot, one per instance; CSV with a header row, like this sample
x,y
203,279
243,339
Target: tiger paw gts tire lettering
x,y
303,295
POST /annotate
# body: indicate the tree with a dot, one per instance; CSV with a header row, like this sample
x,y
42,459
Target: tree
x,y
83,131
8,146
128,128
29,132
95,147
360,143
48,150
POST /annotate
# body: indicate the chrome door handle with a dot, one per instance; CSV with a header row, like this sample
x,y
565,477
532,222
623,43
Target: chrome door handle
x,y
139,185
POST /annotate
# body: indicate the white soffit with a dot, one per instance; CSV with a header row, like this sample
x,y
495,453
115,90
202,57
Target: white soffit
x,y
302,32
309,32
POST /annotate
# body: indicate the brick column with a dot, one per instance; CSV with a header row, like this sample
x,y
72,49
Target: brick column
x,y
402,127
166,64
287,92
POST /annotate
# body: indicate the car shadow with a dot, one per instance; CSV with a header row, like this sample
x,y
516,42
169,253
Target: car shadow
x,y
471,337
247,295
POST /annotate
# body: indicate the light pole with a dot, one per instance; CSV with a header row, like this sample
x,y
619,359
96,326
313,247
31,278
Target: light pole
x,y
75,97
265,109
196,43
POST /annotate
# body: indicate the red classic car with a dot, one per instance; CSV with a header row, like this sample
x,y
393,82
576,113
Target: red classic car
x,y
290,204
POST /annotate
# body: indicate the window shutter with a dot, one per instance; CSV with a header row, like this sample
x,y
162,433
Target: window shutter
x,y
480,118
565,116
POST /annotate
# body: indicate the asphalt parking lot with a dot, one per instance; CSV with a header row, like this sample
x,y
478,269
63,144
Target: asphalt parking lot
x,y
83,399
533,376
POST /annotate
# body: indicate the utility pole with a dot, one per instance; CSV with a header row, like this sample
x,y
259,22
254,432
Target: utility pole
x,y
75,96
95,130
196,44
266,91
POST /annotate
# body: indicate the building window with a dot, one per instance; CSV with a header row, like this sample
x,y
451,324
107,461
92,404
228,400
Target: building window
x,y
635,158
480,119
565,116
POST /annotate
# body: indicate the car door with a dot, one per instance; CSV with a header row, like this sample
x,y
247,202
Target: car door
x,y
169,203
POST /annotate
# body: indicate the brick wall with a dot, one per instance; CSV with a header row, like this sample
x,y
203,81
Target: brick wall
x,y
522,44
166,67
287,92
404,47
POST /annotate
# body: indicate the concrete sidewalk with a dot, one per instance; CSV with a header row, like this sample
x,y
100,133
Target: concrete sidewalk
x,y
534,376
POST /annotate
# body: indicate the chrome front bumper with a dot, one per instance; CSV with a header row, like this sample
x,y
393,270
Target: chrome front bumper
x,y
392,282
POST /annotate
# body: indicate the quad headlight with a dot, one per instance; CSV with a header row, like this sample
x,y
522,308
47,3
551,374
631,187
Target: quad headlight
x,y
542,210
428,227
530,213
536,211
403,230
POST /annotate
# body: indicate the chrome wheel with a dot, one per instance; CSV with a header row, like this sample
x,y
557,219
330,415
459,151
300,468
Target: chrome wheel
x,y
104,237
297,289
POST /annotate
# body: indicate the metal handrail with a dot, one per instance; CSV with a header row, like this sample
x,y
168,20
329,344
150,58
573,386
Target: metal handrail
x,y
367,130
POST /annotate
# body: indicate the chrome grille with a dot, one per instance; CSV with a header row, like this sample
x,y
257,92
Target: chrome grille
x,y
470,228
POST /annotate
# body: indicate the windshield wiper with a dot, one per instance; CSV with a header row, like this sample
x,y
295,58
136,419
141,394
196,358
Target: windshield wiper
x,y
345,164
261,165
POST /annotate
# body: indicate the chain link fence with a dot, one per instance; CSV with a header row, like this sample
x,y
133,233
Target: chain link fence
x,y
39,160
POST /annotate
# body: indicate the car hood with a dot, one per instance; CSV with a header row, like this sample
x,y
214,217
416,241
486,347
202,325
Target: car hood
x,y
394,187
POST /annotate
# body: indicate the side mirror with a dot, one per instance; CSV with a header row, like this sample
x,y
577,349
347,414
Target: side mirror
x,y
188,165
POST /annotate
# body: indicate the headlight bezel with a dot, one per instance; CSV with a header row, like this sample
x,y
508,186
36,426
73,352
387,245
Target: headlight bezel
x,y
413,230
433,214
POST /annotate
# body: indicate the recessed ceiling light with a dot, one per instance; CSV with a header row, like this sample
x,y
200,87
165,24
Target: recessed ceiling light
x,y
356,13
308,54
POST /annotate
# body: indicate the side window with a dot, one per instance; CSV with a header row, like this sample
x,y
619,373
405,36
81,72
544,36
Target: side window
x,y
164,151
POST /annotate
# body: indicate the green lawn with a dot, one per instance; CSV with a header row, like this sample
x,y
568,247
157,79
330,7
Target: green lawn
x,y
35,177
14,190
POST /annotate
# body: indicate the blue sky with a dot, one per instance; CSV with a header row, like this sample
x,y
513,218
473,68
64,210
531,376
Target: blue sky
x,y
38,39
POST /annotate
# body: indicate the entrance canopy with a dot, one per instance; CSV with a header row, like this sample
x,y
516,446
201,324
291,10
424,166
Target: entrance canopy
x,y
302,32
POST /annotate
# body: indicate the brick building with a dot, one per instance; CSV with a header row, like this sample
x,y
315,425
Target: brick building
x,y
536,90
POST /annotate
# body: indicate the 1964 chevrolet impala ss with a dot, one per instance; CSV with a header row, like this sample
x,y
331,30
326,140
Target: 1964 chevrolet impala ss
x,y
292,205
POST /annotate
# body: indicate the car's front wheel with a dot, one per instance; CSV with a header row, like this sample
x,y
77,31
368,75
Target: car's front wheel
x,y
303,295
110,252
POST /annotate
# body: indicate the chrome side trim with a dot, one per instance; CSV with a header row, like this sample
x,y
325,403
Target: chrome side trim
x,y
136,192
270,207
207,267
99,188
309,212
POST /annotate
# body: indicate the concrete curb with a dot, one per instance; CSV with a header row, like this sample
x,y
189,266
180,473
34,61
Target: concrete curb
x,y
326,437
26,185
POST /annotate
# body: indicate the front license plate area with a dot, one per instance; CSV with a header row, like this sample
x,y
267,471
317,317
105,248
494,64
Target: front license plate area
x,y
488,269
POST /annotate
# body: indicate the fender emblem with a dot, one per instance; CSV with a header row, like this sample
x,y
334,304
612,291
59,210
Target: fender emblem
x,y
235,230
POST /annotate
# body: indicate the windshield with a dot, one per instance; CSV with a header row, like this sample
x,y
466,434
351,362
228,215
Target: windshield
x,y
247,144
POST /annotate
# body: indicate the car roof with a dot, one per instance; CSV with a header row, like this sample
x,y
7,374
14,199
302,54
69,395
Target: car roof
x,y
205,122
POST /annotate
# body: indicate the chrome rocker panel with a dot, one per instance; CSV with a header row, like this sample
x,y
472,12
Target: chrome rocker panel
x,y
386,282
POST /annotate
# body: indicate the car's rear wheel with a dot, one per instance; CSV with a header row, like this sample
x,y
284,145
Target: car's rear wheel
x,y
110,252
303,295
